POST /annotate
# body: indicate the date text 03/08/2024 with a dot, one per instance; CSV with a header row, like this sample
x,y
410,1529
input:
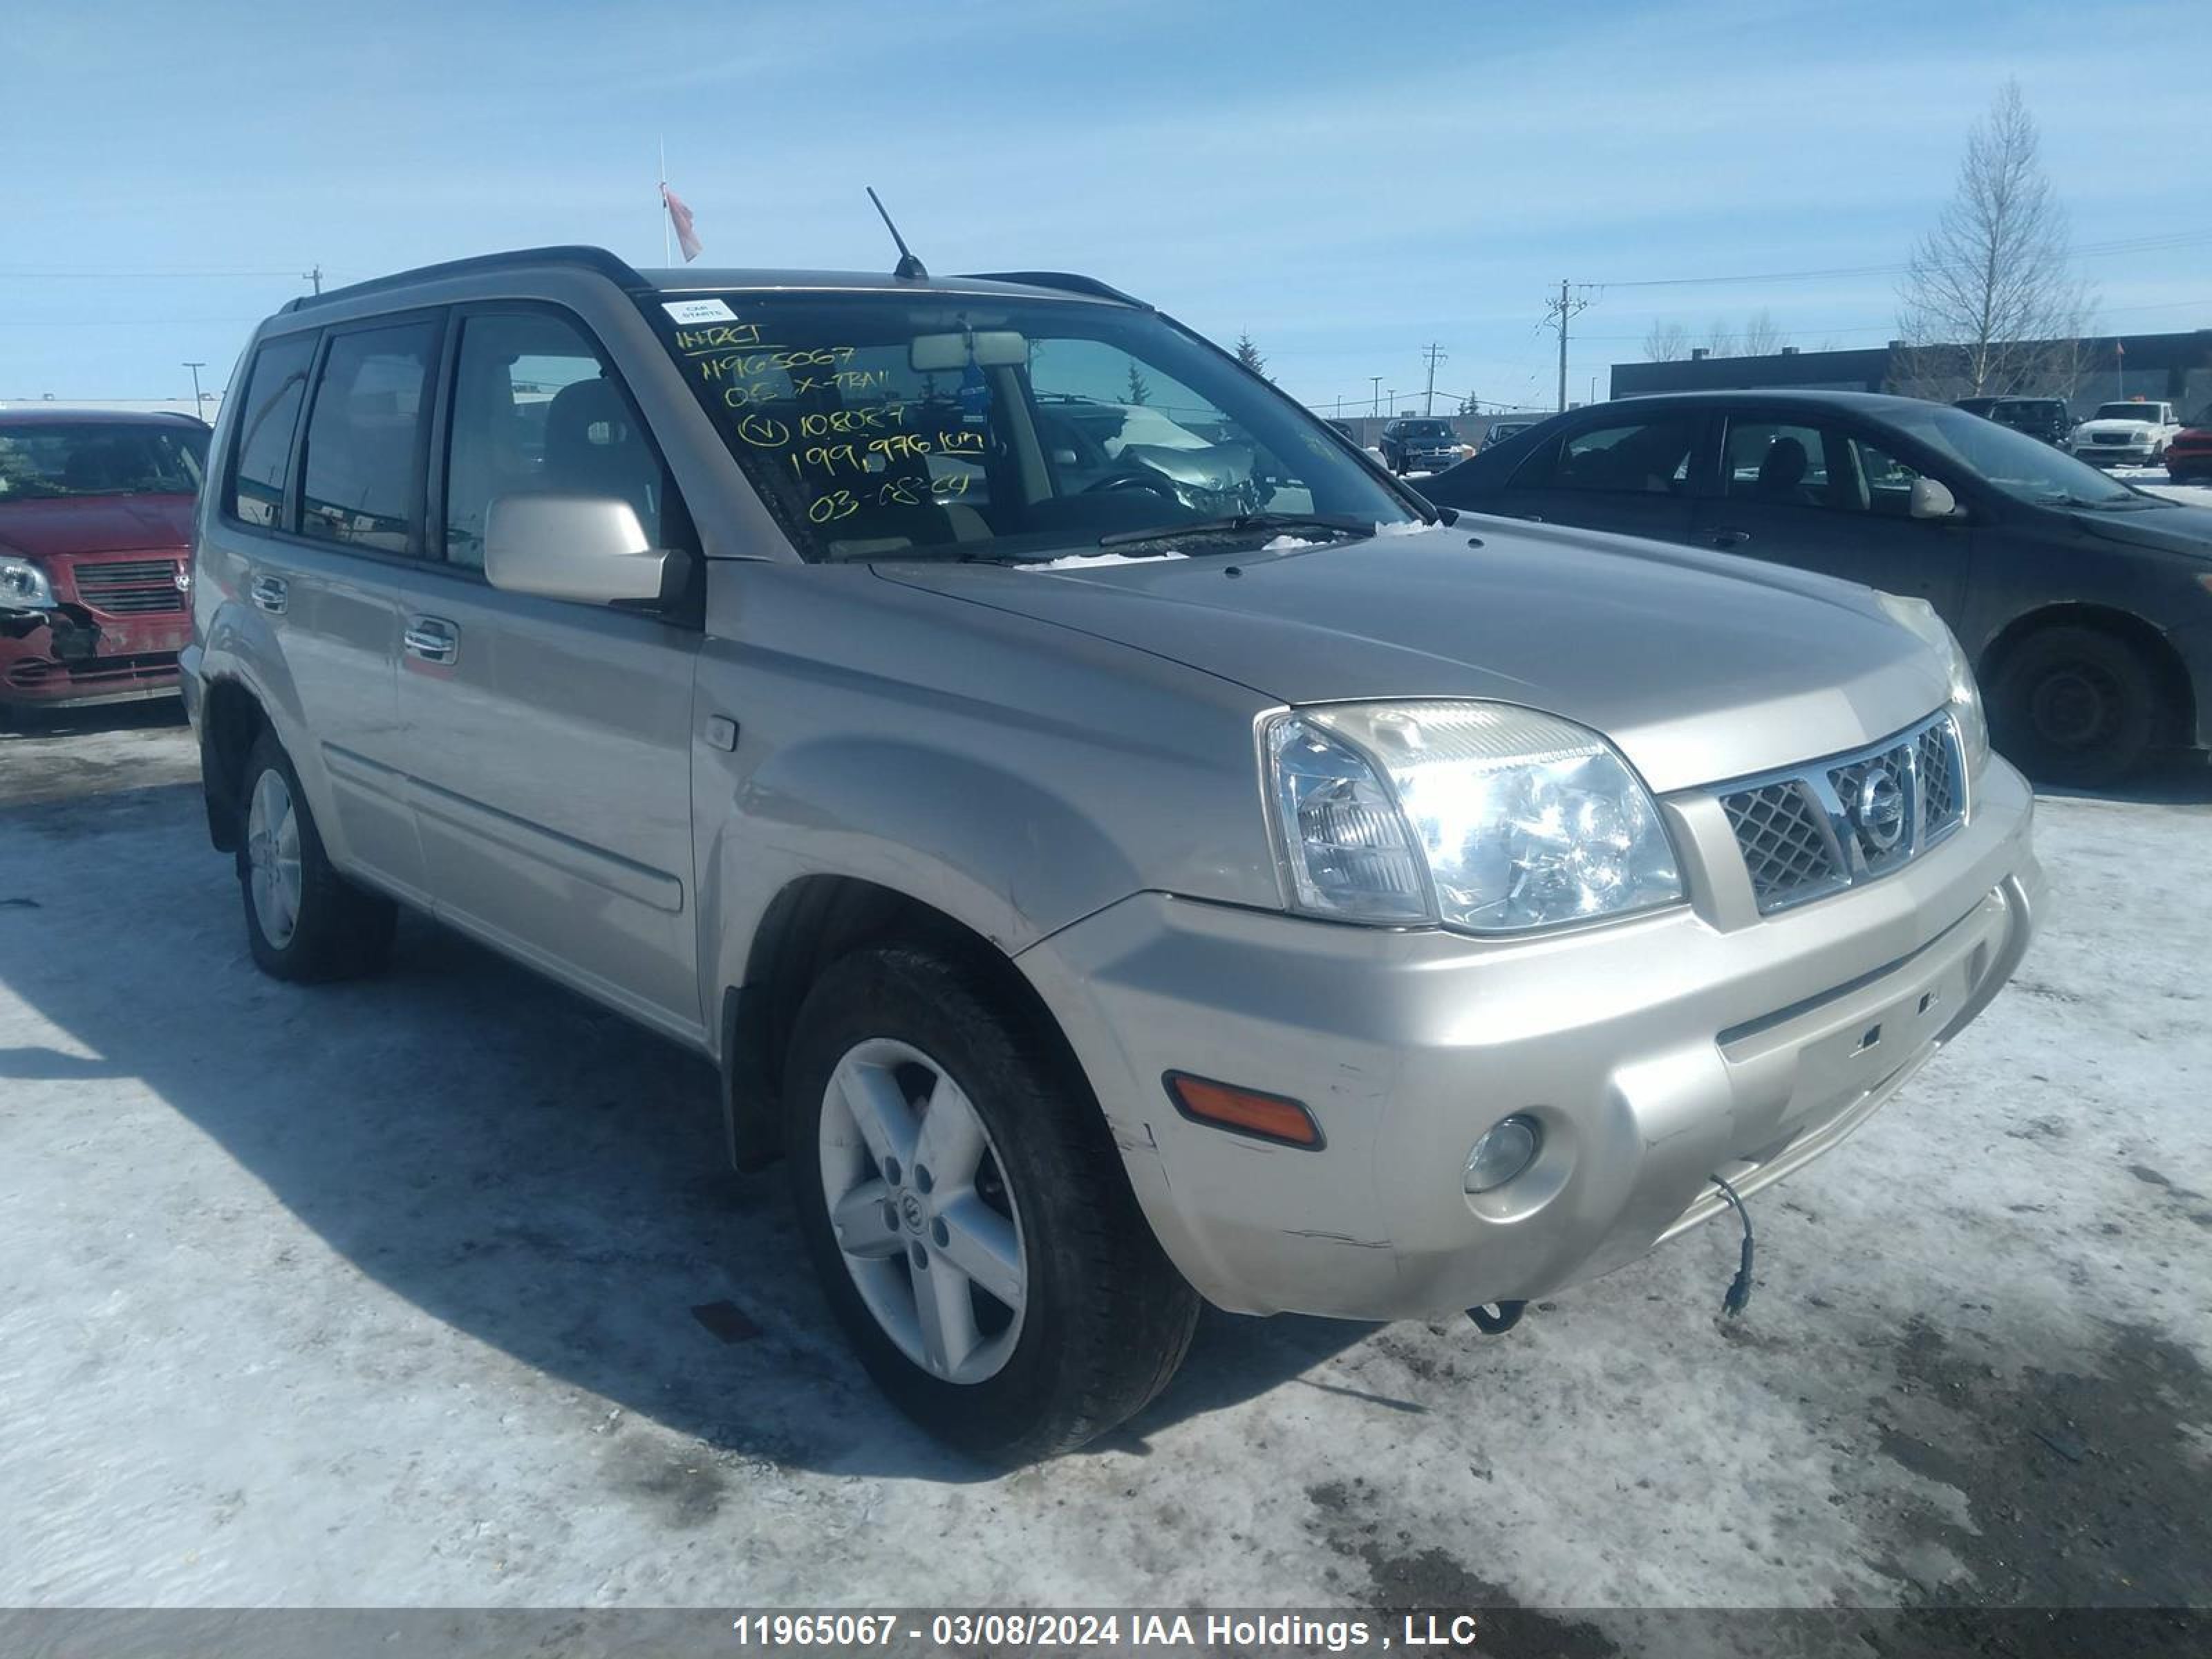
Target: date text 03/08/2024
x,y
1169,1632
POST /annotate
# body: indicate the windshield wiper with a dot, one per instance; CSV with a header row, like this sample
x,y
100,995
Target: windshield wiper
x,y
2123,503
1230,524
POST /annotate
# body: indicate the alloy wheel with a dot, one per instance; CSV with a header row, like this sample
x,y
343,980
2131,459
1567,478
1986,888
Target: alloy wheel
x,y
922,1212
272,856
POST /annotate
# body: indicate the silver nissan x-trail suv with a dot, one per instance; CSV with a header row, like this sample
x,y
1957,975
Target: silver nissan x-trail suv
x,y
1119,847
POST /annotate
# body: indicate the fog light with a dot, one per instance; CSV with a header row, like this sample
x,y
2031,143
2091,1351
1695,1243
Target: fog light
x,y
1510,1147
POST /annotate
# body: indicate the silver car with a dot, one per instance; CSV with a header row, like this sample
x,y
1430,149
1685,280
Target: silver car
x,y
1120,849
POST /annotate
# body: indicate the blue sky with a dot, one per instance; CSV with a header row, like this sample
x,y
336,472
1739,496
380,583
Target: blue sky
x,y
1347,182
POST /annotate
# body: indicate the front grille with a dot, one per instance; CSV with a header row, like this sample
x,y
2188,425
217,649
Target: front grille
x,y
1786,845
136,588
1939,775
1817,830
99,673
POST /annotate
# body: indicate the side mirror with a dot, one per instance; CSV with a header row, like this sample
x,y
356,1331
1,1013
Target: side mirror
x,y
1932,499
590,549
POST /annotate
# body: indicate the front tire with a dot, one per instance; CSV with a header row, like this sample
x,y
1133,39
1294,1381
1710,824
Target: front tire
x,y
967,1213
2076,705
304,920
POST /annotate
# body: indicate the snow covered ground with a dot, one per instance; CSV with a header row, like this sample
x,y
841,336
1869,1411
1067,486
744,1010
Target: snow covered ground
x,y
432,1291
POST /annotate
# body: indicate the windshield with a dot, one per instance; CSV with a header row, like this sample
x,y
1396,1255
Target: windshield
x,y
2024,468
2125,412
1427,431
46,461
886,425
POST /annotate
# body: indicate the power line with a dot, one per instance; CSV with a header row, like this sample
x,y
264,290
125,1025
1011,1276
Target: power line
x,y
12,272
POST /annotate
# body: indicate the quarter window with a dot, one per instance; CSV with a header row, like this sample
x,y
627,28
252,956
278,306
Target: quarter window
x,y
1638,457
276,386
536,410
361,479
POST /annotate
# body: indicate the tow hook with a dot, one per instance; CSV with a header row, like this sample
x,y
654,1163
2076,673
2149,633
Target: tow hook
x,y
1496,1318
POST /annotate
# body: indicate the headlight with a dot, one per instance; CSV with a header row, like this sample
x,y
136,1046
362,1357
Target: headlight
x,y
24,585
1966,699
1480,816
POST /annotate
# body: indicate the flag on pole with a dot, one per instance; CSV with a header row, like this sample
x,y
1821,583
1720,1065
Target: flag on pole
x,y
680,217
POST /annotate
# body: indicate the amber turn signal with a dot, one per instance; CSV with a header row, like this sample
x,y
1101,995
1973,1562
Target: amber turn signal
x,y
1244,1111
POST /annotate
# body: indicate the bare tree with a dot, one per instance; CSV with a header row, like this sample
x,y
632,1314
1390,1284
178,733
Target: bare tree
x,y
1989,304
1762,336
1666,343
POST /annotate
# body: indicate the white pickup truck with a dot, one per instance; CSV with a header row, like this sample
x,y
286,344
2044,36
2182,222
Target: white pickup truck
x,y
2134,433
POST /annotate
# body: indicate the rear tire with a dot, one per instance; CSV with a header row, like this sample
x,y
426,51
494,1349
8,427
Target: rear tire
x,y
304,920
1074,1319
2074,705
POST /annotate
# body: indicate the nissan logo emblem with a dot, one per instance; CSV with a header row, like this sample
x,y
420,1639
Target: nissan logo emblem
x,y
1879,810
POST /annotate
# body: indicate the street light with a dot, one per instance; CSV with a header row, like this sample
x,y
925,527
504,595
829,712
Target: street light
x,y
195,368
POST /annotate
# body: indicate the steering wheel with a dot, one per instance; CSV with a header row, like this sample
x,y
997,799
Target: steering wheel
x,y
1135,478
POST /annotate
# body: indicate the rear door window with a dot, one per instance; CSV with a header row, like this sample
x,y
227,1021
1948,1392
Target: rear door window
x,y
362,475
276,386
1629,458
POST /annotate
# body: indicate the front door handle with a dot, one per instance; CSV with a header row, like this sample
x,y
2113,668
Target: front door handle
x,y
432,638
270,593
1730,537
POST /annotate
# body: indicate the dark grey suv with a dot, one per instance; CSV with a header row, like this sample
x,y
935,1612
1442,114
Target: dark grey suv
x,y
2085,604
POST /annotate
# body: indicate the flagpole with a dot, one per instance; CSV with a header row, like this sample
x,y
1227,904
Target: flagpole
x,y
668,255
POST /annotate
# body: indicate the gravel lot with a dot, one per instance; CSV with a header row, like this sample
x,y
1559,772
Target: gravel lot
x,y
432,1291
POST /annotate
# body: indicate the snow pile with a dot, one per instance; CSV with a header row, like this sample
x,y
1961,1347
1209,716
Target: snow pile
x,y
1084,560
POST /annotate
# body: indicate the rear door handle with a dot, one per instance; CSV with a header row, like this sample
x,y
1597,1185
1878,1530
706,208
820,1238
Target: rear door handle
x,y
432,638
270,593
1730,537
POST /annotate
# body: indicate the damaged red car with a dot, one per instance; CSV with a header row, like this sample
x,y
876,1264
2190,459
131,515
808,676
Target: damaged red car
x,y
95,522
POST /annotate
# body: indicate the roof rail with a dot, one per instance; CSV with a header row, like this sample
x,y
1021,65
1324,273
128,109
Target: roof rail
x,y
1067,281
591,258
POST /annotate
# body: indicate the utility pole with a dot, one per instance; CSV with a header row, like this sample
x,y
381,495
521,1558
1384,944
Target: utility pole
x,y
195,368
1435,357
314,276
1377,378
1557,312
1393,404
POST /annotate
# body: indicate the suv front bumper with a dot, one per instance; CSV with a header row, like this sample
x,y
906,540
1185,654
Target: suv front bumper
x,y
1655,1053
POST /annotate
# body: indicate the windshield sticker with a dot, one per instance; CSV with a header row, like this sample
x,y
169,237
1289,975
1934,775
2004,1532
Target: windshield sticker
x,y
699,311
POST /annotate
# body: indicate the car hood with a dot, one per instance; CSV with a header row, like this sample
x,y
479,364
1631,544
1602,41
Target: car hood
x,y
2098,428
1701,667
96,524
2178,528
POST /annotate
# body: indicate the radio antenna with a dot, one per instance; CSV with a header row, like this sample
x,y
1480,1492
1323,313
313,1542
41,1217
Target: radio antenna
x,y
908,268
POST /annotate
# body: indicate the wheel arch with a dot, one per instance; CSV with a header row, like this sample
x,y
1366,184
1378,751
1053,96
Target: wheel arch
x,y
813,922
231,719
2177,712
